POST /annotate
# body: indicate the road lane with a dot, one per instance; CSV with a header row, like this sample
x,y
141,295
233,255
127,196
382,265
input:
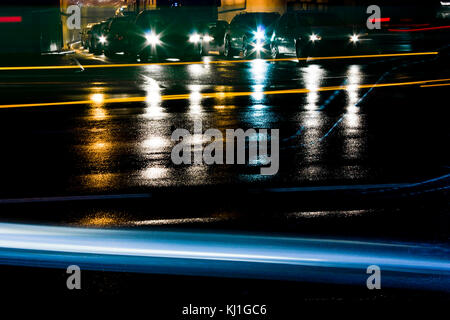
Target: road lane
x,y
100,98
102,146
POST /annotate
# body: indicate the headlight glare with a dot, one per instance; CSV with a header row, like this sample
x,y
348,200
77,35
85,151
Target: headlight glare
x,y
259,34
315,37
354,38
194,38
152,38
259,46
208,38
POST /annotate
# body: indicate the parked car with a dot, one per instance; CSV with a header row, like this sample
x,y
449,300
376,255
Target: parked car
x,y
250,33
117,34
214,37
85,34
164,34
97,39
305,33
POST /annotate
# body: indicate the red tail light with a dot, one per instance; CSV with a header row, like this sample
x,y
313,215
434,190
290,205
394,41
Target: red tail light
x,y
380,20
10,19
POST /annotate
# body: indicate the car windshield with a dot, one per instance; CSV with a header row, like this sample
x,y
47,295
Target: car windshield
x,y
166,21
265,19
319,19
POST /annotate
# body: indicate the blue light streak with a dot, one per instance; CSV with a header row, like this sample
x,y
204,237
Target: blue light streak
x,y
410,265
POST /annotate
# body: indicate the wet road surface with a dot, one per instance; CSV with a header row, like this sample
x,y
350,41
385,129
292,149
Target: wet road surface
x,y
107,130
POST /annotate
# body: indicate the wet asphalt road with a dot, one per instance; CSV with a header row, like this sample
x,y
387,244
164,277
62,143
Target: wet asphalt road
x,y
359,135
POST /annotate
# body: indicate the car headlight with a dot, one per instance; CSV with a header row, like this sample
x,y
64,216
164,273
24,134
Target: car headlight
x,y
152,38
315,37
102,39
259,46
194,38
208,38
260,34
354,38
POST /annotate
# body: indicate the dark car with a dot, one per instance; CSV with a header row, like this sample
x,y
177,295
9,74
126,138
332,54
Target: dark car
x,y
30,27
117,34
214,37
305,33
164,34
97,39
250,33
85,35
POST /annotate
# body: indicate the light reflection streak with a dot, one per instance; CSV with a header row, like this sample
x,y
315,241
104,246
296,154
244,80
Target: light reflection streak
x,y
197,70
97,98
312,119
99,180
155,139
155,144
353,141
153,173
97,149
410,265
221,94
153,99
258,71
260,116
313,77
258,74
195,99
224,108
258,93
98,113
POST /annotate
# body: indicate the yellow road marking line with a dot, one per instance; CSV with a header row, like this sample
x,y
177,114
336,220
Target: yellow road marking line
x,y
125,65
218,94
435,85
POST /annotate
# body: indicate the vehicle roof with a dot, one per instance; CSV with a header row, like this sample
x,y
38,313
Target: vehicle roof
x,y
259,13
311,12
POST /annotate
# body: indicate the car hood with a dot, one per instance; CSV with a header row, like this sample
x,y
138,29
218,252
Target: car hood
x,y
332,32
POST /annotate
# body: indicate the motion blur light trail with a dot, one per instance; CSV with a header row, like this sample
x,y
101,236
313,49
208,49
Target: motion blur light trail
x,y
128,65
406,265
209,95
435,85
